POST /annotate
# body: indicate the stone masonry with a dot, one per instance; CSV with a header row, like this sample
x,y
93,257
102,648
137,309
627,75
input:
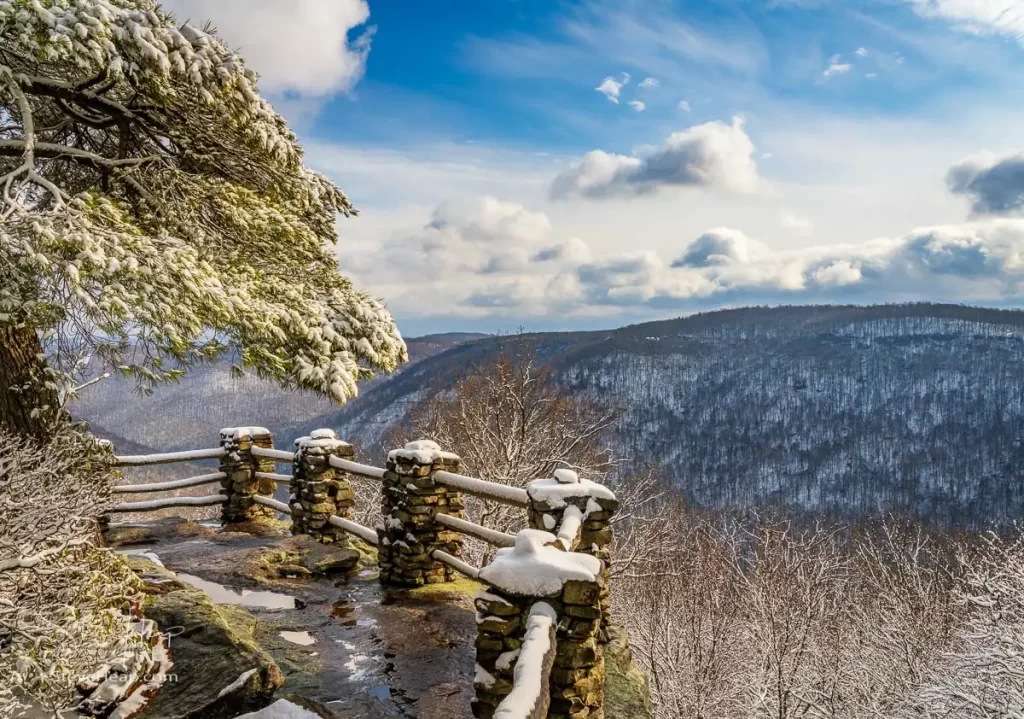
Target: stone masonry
x,y
241,484
551,499
318,490
538,569
411,500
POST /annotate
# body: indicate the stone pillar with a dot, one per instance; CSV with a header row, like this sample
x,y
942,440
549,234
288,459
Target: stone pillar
x,y
241,484
538,569
317,489
551,499
410,501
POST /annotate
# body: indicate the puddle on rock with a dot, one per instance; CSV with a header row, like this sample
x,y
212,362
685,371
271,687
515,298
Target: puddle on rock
x,y
244,597
381,691
301,638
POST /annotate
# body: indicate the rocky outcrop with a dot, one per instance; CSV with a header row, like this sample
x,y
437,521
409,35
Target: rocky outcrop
x,y
626,694
219,670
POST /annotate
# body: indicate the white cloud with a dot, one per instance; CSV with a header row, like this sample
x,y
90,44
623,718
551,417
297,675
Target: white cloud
x,y
871,75
836,66
306,46
649,82
492,258
684,106
610,87
792,221
710,155
638,105
983,17
861,52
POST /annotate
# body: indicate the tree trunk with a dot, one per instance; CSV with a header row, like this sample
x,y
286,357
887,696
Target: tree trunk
x,y
21,384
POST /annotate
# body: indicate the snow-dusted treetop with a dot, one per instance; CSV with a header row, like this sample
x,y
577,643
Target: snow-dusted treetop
x,y
155,209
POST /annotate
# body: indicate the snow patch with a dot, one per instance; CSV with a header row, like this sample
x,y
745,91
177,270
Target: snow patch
x,y
527,679
281,709
483,678
237,684
422,451
532,568
239,432
506,659
553,493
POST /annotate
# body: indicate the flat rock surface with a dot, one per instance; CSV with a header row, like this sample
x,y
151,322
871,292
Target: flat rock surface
x,y
346,646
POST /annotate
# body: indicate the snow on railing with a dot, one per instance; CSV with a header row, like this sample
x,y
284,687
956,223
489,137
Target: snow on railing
x,y
176,484
169,502
455,563
364,533
273,477
491,536
141,460
278,455
530,695
484,489
363,470
569,529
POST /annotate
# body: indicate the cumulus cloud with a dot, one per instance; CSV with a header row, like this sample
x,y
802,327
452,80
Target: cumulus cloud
x,y
610,87
684,106
638,105
649,83
710,155
305,46
485,257
861,52
994,185
722,246
987,17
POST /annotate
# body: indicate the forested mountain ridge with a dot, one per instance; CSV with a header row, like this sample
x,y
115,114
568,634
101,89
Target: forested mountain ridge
x,y
851,410
189,415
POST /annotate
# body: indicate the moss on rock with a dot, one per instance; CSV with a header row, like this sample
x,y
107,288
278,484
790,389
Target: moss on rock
x,y
626,694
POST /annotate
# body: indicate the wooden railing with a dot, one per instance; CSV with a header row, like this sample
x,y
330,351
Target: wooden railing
x,y
547,596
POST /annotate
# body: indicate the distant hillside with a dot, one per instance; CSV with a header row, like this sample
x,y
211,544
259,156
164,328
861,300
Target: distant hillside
x,y
190,415
851,410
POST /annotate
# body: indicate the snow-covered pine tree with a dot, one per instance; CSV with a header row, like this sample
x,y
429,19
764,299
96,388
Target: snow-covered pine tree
x,y
155,212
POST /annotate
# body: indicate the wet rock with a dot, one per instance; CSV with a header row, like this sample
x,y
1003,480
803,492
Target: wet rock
x,y
219,670
124,535
331,560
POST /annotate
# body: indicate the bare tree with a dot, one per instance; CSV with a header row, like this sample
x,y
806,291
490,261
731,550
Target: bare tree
x,y
983,674
511,423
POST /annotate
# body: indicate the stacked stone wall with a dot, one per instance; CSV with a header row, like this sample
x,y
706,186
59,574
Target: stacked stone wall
x,y
241,484
318,490
411,500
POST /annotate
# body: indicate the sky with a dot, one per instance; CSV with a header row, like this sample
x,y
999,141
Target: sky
x,y
590,164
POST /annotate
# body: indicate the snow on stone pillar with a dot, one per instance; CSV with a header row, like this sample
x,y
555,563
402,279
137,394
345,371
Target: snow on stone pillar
x,y
411,500
579,511
241,484
567,587
317,489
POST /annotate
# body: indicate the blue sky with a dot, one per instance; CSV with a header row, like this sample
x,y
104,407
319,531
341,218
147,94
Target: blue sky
x,y
588,164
